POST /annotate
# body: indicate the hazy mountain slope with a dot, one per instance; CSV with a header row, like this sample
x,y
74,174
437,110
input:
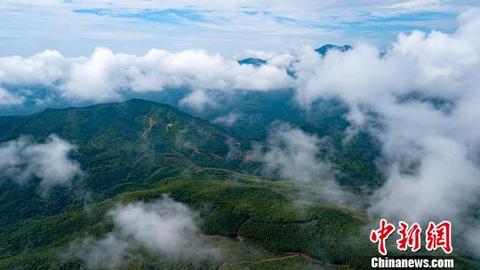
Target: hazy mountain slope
x,y
113,139
251,114
8,123
125,143
245,209
138,150
243,217
116,143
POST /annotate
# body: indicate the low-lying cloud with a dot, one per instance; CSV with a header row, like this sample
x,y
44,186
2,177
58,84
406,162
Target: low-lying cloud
x,y
106,76
227,120
197,100
422,96
294,155
164,228
424,92
23,159
9,99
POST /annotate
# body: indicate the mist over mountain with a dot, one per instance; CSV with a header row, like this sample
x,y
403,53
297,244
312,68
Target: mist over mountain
x,y
282,160
128,148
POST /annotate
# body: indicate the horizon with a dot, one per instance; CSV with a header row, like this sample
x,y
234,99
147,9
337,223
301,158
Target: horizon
x,y
76,28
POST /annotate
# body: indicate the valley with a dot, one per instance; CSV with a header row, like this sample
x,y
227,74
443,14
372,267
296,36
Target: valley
x,y
142,151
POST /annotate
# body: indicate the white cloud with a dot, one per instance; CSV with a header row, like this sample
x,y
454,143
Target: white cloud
x,y
96,78
43,68
294,155
108,252
199,70
166,228
425,94
106,76
9,99
197,100
227,120
23,159
446,181
424,91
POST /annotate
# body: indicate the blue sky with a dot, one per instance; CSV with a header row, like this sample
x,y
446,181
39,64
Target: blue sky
x,y
76,27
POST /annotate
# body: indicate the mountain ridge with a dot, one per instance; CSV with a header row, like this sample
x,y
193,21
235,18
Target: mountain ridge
x,y
118,144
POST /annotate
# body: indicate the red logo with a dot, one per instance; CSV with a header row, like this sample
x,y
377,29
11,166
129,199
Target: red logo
x,y
379,236
439,236
409,237
436,236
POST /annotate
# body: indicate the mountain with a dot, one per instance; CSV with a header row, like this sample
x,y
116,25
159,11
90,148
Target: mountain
x,y
256,62
254,112
118,145
123,146
143,129
325,48
139,151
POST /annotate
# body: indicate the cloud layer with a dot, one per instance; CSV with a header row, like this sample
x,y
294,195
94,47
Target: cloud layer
x,y
293,154
24,159
8,99
164,228
106,76
299,157
424,92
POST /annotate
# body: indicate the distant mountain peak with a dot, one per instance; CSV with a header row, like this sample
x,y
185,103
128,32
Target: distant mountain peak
x,y
327,47
256,62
